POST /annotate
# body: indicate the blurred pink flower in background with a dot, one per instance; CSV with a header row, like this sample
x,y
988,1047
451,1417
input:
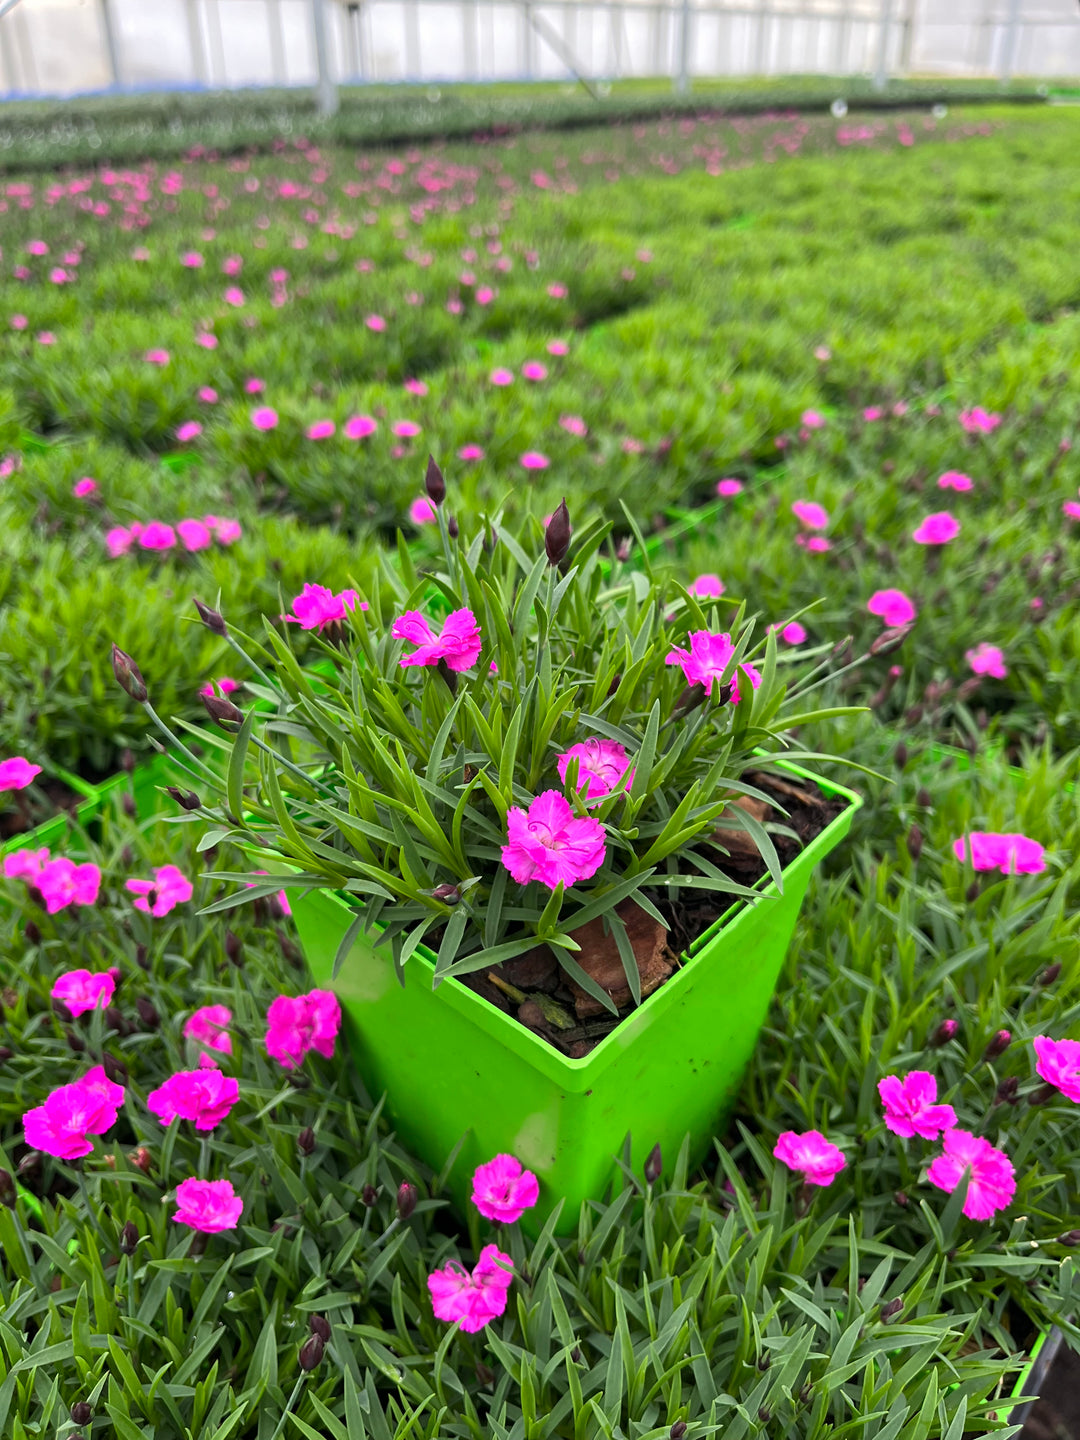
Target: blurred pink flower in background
x,y
157,357
893,606
375,322
156,535
84,487
189,430
706,587
810,514
170,887
16,773
1011,853
63,883
359,427
209,1026
558,347
534,370
978,420
987,660
82,990
793,633
264,418
937,529
955,480
501,377
573,425
471,452
405,429
728,488
534,460
297,1025
812,419
321,430
422,511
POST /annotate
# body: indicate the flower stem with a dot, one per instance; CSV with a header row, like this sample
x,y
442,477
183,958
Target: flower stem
x,y
178,744
292,1401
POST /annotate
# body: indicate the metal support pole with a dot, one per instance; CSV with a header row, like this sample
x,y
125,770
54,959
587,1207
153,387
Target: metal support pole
x,y
1012,39
470,40
561,49
881,74
528,62
352,41
907,39
412,40
325,90
682,81
217,44
278,68
761,49
108,34
198,54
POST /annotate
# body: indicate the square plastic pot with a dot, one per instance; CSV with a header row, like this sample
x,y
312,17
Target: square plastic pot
x,y
452,1065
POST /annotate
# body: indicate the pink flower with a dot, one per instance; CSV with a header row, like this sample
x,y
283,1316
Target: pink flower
x,y
706,660
37,247
225,531
470,452
1071,509
25,864
955,480
207,394
503,1190
234,296
295,1026
557,291
119,540
873,412
1010,853
189,430
157,357
812,420
422,511
203,1096
573,425
19,322
909,1106
321,430
823,353
472,1300
987,660
209,1026
191,259
194,535
558,347
817,1159
316,606
16,773
534,460
810,514
937,529
817,544
502,377
978,419
485,295
170,887
254,386
416,387
264,418
603,766
1058,1064
534,370
706,587
84,487
727,489
993,1180
405,429
208,1205
157,536
82,990
225,686
71,1113
793,633
359,427
458,643
63,883
893,606
375,322
207,341
550,844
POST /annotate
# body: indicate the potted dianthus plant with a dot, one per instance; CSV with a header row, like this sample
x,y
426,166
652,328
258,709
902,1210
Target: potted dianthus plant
x,y
543,833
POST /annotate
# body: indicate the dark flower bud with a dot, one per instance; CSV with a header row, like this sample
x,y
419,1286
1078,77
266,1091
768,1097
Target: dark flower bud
x,y
81,1413
998,1045
223,712
677,1431
890,640
764,1414
914,842
129,1238
448,894
7,1189
901,1199
75,1042
311,1352
1070,1238
557,535
841,651
234,949
127,675
289,951
127,804
900,755
116,974
434,483
186,799
448,676
141,1159
115,1069
806,1392
61,1011
147,1013
5,1053
972,893
485,1374
944,1033
452,528
142,957
891,1308
924,798
690,699
126,857
654,1164
622,554
127,762
764,1360
406,1200
1050,974
29,1167
1006,1092
576,1356
319,1325
1042,1096
32,933
914,715
305,1143
369,1195
212,619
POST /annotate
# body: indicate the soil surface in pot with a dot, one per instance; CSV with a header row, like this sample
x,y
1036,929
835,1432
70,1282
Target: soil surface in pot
x,y
25,813
1056,1414
542,997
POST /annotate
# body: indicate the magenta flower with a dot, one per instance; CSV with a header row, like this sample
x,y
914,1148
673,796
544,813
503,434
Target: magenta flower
x,y
359,427
937,529
84,487
893,606
16,773
225,686
978,419
234,296
170,887
157,357
472,1300
416,387
25,864
534,460
71,1113
1071,509
558,347
557,291
375,322
812,419
202,1096
295,1026
207,340
471,452
1010,853
118,541
264,418
62,883
815,1158
405,429
603,766
534,370
422,511
1058,1064
810,514
793,633
987,660
156,536
706,587
458,643
706,660
873,412
207,394
191,259
993,1180
573,425
909,1106
225,531
316,606
208,1205
728,488
503,1190
209,1026
194,535
548,843
254,386
82,990
321,430
955,480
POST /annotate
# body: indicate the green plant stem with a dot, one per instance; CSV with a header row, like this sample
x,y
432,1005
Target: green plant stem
x,y
291,1402
295,769
259,671
178,744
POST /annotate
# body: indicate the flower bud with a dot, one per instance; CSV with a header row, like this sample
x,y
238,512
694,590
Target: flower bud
x,y
186,799
115,1069
81,1413
311,1352
557,535
944,1033
75,1042
147,1013
32,933
289,950
127,762
8,1192
654,1164
891,1308
223,712
212,619
319,1325
1042,1096
129,1238
1071,1238
127,804
485,1374
677,1431
127,675
141,1159
900,755
622,554
369,1195
1050,974
890,640
448,894
29,1167
972,893
690,699
998,1045
901,1199
452,528
914,842
6,1053
434,483
305,1143
406,1200
234,949
1006,1092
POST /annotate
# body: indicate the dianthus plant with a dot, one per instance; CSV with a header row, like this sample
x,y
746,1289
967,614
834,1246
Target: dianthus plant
x,y
493,754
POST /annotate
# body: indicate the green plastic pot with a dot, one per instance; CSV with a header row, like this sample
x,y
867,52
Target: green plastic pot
x,y
453,1067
